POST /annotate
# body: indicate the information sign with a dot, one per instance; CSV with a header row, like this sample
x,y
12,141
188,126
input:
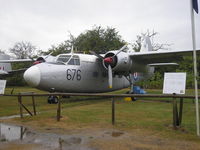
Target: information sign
x,y
174,83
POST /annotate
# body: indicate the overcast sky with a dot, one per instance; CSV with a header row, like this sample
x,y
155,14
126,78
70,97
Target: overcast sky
x,y
48,22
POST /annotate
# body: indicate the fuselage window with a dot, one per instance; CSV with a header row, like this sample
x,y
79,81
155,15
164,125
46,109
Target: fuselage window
x,y
71,62
77,61
74,61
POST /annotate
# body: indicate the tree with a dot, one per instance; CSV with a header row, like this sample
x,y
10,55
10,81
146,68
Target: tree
x,y
23,50
156,46
61,48
99,40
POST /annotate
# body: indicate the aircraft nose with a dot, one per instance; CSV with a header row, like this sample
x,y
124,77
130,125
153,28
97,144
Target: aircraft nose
x,y
32,76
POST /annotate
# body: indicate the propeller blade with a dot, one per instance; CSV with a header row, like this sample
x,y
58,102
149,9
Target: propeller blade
x,y
94,53
48,55
110,76
121,49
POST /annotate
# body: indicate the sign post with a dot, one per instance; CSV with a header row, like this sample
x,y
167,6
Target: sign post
x,y
175,83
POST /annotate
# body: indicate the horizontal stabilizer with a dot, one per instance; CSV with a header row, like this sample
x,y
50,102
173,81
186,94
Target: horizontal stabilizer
x,y
163,64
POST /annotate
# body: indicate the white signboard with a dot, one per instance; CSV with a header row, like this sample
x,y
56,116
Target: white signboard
x,y
2,86
174,83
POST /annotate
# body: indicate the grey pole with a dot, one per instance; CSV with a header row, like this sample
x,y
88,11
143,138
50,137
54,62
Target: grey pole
x,y
195,66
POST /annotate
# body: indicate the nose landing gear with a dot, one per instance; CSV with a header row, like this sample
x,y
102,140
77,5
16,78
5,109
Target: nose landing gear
x,y
52,100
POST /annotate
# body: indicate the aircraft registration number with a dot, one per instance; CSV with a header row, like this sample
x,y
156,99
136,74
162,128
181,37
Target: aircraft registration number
x,y
73,74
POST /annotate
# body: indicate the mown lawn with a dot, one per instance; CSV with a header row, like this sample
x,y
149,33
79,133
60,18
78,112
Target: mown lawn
x,y
141,115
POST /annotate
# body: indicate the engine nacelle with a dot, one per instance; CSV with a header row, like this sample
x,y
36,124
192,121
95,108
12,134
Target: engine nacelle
x,y
120,63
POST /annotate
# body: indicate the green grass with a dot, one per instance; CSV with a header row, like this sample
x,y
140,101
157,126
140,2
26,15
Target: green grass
x,y
151,117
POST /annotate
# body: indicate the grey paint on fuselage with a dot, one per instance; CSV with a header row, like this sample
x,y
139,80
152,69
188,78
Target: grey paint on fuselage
x,y
90,77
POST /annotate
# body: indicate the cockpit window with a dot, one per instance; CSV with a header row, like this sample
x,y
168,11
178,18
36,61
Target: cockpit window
x,y
63,58
74,60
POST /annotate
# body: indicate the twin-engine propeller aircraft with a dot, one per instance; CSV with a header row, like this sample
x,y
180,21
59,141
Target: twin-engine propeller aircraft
x,y
84,73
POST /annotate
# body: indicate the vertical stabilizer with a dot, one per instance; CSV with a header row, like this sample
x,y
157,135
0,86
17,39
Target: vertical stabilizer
x,y
146,44
5,67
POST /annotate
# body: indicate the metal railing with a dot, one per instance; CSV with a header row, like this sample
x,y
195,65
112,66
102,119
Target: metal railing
x,y
177,114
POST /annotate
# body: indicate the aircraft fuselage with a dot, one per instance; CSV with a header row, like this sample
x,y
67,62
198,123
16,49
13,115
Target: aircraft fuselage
x,y
86,76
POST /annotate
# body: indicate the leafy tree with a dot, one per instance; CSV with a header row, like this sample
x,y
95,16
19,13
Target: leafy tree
x,y
187,66
23,50
61,48
98,39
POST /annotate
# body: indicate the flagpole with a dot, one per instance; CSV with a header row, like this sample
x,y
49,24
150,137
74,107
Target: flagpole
x,y
195,66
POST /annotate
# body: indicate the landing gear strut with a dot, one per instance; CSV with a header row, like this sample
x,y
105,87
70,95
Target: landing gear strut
x,y
131,87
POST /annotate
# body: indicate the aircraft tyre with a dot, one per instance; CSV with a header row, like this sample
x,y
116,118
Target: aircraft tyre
x,y
52,100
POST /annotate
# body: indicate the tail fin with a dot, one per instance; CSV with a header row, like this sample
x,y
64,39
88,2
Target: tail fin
x,y
5,67
146,44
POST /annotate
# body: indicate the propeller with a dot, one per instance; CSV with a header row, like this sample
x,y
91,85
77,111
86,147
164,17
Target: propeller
x,y
110,62
110,76
121,49
94,53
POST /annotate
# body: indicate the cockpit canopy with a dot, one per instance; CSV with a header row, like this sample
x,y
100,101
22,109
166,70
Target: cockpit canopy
x,y
69,59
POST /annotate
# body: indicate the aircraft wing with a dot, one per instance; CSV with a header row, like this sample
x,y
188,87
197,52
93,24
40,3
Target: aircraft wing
x,y
16,60
161,56
4,74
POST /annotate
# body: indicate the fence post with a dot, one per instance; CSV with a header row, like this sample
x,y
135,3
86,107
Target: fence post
x,y
20,105
59,110
175,112
113,111
34,109
180,111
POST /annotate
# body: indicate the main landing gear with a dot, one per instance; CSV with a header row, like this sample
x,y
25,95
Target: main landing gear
x,y
131,91
52,100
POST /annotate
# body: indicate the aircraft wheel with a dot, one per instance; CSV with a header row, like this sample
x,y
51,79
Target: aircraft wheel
x,y
52,100
55,100
49,100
